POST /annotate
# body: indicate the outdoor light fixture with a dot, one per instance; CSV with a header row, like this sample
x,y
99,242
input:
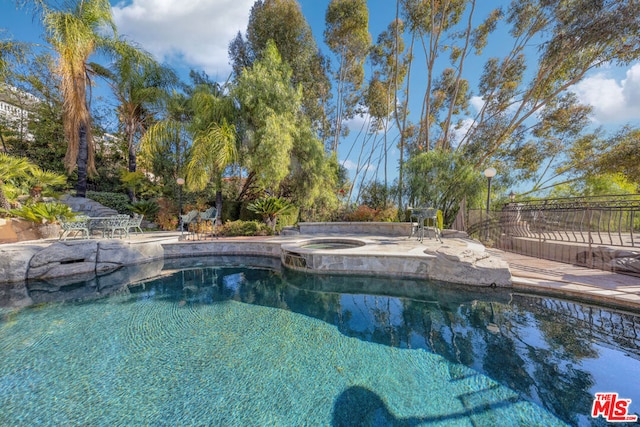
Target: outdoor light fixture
x,y
489,173
512,196
180,182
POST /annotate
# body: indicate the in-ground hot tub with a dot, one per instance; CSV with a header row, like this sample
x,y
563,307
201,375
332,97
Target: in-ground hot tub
x,y
301,255
332,244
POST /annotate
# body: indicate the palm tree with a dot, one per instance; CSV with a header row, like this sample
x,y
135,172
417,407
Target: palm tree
x,y
11,168
138,83
75,34
41,182
200,135
165,144
270,208
214,141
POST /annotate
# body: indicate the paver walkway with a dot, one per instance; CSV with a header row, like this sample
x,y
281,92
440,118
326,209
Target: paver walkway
x,y
536,274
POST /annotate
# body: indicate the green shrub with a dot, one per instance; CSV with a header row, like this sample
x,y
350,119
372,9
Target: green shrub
x,y
368,214
270,208
42,213
389,214
230,210
244,228
148,208
117,201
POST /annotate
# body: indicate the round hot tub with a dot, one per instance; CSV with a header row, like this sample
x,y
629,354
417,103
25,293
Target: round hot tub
x,y
310,254
332,244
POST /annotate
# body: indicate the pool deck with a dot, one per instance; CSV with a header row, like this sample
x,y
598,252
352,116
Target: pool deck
x,y
528,274
557,278
537,275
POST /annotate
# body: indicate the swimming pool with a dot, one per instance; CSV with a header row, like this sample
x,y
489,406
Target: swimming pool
x,y
224,344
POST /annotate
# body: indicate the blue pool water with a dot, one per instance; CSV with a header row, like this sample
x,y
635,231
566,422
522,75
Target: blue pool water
x,y
216,344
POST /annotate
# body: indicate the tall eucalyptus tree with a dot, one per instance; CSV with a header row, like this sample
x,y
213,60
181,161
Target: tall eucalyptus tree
x,y
347,35
389,72
583,35
525,114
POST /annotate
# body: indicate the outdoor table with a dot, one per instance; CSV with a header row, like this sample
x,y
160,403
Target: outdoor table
x,y
108,225
423,214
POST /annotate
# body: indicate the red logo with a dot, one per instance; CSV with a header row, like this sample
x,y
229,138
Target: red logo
x,y
612,409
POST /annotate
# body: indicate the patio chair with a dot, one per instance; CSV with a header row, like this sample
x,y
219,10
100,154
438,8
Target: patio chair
x,y
116,224
431,218
209,216
189,220
135,222
79,224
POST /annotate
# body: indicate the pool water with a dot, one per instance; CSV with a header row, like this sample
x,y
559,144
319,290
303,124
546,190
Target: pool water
x,y
332,244
229,345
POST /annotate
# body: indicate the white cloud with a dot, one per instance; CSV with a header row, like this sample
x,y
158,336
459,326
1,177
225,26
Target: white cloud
x,y
195,32
477,103
459,133
358,122
352,166
349,165
613,102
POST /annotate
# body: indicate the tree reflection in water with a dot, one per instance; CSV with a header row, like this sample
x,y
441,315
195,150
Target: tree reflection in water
x,y
534,345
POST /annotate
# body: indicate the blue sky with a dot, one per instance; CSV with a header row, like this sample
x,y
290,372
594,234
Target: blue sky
x,y
195,34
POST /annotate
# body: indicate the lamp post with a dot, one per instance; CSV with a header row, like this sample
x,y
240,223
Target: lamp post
x,y
489,173
180,182
512,196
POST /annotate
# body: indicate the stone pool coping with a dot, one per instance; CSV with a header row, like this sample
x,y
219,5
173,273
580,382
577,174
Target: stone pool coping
x,y
457,260
527,274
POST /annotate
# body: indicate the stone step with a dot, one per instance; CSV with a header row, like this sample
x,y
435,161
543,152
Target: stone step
x,y
87,206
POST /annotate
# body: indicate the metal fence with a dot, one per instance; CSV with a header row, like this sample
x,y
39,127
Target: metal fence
x,y
614,329
599,232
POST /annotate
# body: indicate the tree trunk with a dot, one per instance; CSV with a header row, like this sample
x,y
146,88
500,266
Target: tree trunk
x,y
83,158
4,146
4,203
219,207
132,165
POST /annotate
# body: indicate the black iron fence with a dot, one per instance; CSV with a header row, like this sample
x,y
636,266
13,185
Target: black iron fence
x,y
599,232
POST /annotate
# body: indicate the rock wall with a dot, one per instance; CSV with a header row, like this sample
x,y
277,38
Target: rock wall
x,y
14,230
45,261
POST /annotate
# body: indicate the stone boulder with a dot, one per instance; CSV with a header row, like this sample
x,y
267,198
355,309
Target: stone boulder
x,y
113,254
472,266
14,261
64,259
612,259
